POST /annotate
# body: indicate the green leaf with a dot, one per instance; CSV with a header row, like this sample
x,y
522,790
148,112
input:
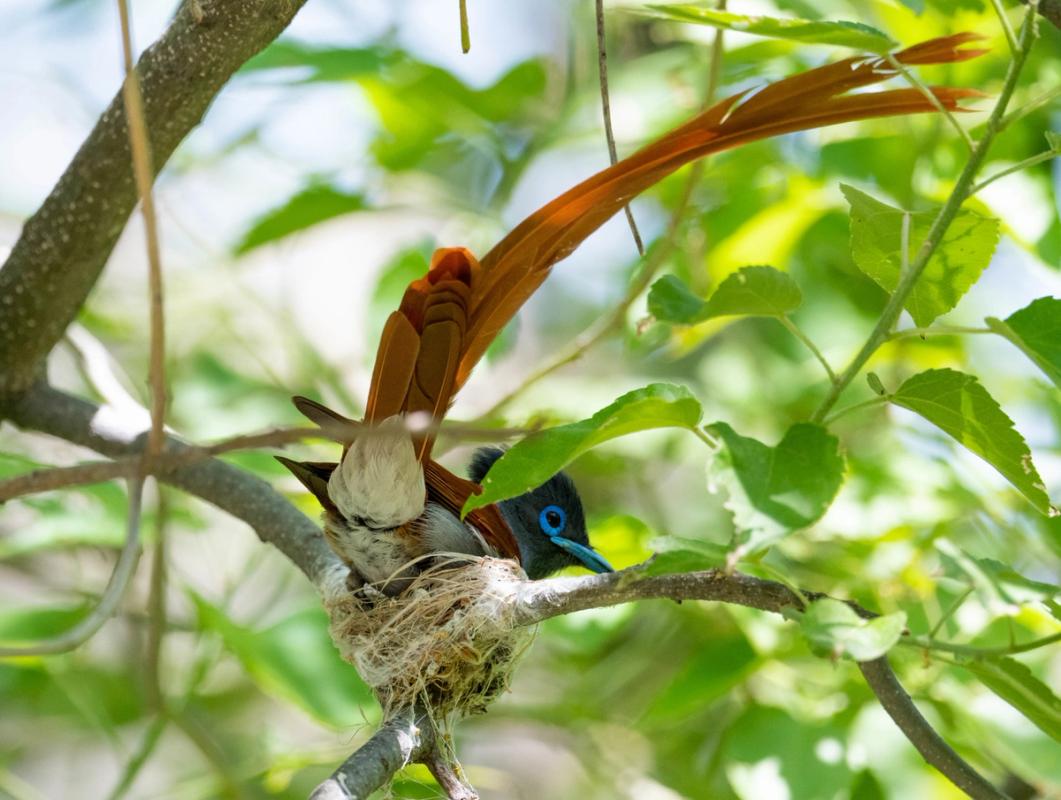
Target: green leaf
x,y
670,300
753,291
296,661
1053,139
531,462
958,405
867,787
674,554
834,629
776,490
1036,331
846,34
875,383
1013,682
876,246
310,206
998,585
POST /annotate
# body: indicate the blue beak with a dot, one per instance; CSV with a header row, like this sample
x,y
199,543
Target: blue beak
x,y
587,555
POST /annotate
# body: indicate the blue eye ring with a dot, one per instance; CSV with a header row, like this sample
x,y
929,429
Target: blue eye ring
x,y
552,520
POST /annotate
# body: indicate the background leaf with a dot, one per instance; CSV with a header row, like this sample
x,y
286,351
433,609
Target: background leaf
x,y
314,204
776,490
1036,330
847,34
958,405
876,238
532,461
1014,682
674,554
832,628
753,291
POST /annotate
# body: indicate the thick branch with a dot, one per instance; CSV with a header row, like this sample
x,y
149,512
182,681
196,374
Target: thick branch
x,y
63,247
242,495
403,739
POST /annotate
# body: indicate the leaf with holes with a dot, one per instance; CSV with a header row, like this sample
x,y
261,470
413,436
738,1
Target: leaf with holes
x,y
1036,331
773,491
531,462
958,405
956,264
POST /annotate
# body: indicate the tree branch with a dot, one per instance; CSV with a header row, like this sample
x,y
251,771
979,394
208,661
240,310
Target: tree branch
x,y
63,247
242,495
404,738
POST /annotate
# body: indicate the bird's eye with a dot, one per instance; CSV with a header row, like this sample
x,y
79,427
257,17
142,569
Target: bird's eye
x,y
552,520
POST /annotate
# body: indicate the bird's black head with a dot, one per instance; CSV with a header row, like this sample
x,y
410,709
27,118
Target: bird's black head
x,y
547,522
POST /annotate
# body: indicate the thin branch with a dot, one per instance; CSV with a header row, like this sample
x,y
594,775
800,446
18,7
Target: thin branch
x,y
112,595
406,737
156,610
269,513
937,330
63,247
535,601
466,36
939,226
606,110
1039,158
914,81
894,699
843,412
1031,106
144,173
1007,28
614,319
983,652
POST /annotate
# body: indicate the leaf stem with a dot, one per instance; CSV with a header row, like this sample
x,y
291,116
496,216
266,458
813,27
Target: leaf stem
x,y
981,652
944,218
1039,158
466,36
950,612
795,331
843,412
1007,28
914,81
937,330
1030,107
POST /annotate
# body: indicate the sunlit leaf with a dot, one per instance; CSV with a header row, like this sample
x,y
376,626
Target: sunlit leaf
x,y
1014,682
674,554
846,34
834,629
956,264
773,491
531,462
751,291
312,205
958,405
296,660
309,63
1036,330
1053,140
999,586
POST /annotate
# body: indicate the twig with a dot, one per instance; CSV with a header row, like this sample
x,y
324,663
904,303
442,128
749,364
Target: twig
x,y
914,81
1030,107
937,330
939,226
144,172
983,652
156,611
1007,28
466,36
843,412
1028,162
112,595
606,109
448,774
139,758
614,319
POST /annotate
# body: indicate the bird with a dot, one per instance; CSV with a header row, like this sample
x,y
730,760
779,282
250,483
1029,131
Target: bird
x,y
389,509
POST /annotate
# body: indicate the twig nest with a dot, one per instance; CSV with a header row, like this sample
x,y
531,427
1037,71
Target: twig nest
x,y
449,641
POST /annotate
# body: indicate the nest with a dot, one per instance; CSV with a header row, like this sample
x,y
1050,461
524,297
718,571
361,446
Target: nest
x,y
448,642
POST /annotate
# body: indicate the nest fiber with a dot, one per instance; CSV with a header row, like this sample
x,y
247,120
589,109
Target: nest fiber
x,y
449,641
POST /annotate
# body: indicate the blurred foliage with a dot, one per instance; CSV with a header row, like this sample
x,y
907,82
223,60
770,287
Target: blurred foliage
x,y
292,259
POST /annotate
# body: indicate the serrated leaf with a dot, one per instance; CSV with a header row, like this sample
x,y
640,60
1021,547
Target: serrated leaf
x,y
956,264
531,462
776,490
1014,682
312,205
834,629
296,661
1036,330
670,300
846,34
674,554
752,291
958,405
